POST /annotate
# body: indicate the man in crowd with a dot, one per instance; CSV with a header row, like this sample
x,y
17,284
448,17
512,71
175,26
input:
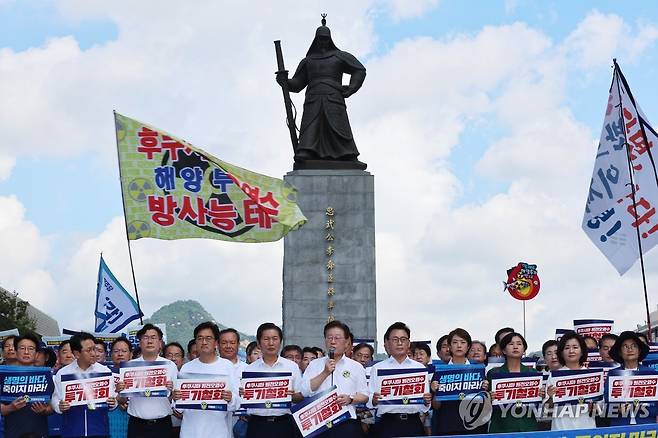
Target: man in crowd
x,y
191,350
363,353
9,351
210,423
65,354
99,347
443,349
175,353
88,420
20,417
229,342
397,420
273,423
308,355
150,417
293,353
605,344
337,369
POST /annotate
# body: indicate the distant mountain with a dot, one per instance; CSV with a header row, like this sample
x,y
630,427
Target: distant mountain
x,y
181,317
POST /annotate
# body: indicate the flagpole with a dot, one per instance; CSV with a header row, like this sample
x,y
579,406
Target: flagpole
x,y
524,318
125,222
630,174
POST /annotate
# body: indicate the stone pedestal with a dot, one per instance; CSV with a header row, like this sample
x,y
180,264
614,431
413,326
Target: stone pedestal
x,y
306,261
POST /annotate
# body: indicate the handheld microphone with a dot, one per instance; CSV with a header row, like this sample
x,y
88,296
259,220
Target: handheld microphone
x,y
331,354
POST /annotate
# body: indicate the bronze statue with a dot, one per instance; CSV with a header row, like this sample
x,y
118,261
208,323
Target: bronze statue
x,y
325,136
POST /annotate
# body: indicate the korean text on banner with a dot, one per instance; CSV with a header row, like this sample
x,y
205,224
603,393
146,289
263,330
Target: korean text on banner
x,y
91,390
611,220
402,386
577,386
632,386
202,391
317,414
35,384
509,388
593,327
651,361
173,190
115,308
457,381
144,378
266,390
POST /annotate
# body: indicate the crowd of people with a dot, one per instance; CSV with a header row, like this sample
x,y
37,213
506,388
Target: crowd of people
x,y
341,363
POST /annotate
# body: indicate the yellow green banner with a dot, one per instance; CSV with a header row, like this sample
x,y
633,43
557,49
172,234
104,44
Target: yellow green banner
x,y
173,190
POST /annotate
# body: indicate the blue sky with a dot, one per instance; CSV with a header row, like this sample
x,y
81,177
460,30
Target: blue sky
x,y
112,60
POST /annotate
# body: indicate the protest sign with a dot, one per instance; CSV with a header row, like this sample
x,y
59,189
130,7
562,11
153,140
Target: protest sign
x,y
457,381
509,388
54,341
651,361
653,347
632,386
576,386
202,391
144,378
7,333
317,414
266,390
593,327
402,386
561,332
92,389
35,384
605,366
172,190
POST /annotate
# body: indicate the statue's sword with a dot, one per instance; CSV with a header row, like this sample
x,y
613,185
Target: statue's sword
x,y
286,96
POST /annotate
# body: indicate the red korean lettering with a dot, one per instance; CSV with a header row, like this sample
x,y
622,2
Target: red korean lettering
x,y
254,214
162,208
306,424
222,216
188,211
173,146
148,142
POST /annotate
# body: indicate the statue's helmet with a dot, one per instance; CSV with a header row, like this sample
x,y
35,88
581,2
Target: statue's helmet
x,y
322,40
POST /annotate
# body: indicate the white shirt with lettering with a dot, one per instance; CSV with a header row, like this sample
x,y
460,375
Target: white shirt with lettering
x,y
152,408
281,365
198,423
392,364
349,377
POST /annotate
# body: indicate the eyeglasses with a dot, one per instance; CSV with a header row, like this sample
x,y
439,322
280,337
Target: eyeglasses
x,y
173,355
399,340
202,339
630,347
334,338
30,349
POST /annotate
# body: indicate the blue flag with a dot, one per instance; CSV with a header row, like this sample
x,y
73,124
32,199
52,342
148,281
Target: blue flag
x,y
115,308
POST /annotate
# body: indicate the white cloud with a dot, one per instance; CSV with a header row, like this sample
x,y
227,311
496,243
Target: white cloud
x,y
405,9
211,81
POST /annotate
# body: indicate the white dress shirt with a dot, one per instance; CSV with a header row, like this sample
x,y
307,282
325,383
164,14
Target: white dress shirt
x,y
281,365
74,368
152,408
198,423
392,364
349,377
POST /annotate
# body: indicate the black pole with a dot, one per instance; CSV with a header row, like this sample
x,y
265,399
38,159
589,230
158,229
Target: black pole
x,y
125,222
630,175
290,118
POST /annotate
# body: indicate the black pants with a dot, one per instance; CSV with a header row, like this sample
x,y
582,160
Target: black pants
x,y
399,425
271,427
348,429
138,428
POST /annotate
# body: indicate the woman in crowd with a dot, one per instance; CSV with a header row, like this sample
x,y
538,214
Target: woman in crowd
x,y
513,347
629,351
253,352
64,354
446,419
572,354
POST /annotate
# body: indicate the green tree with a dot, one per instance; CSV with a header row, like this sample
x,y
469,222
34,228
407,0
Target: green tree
x,y
13,313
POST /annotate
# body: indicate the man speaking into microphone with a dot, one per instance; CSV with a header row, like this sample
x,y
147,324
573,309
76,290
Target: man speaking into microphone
x,y
346,374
